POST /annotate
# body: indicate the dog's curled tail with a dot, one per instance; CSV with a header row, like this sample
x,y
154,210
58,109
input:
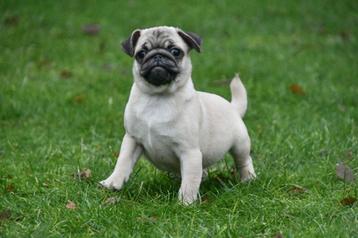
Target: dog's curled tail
x,y
238,95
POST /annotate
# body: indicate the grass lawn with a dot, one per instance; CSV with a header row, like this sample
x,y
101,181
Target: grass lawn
x,y
63,93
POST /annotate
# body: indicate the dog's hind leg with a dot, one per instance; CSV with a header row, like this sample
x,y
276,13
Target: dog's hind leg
x,y
243,162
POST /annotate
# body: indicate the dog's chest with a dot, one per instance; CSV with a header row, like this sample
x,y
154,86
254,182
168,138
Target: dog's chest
x,y
152,123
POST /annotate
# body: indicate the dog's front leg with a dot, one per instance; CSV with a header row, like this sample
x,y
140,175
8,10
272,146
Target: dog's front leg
x,y
191,172
128,156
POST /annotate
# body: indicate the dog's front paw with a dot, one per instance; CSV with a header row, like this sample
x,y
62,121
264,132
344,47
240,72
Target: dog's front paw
x,y
247,173
187,196
112,182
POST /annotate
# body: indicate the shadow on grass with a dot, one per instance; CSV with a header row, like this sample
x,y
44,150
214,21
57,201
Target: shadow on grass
x,y
162,187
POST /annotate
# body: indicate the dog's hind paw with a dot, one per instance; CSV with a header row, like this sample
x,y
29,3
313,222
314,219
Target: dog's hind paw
x,y
248,177
247,173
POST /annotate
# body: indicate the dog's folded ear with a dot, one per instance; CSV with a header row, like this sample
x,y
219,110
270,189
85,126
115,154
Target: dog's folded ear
x,y
129,44
192,39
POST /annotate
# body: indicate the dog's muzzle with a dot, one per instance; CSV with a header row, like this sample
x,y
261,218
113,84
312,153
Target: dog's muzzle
x,y
159,67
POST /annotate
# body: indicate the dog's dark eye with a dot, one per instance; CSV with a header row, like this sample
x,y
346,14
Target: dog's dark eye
x,y
175,52
141,54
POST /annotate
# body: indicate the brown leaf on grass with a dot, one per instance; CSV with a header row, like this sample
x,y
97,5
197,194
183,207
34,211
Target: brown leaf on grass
x,y
11,20
79,99
345,35
348,201
70,205
65,74
111,200
91,29
5,214
44,63
297,190
278,235
84,174
297,89
10,187
344,173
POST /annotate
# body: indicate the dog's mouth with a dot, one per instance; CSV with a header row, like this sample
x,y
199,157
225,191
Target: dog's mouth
x,y
159,68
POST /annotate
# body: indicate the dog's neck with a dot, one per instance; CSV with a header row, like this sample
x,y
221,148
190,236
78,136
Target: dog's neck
x,y
168,105
185,90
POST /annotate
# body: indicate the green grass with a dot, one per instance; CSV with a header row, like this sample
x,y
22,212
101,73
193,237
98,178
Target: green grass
x,y
52,126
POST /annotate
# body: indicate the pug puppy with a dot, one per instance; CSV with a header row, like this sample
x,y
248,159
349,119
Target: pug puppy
x,y
177,128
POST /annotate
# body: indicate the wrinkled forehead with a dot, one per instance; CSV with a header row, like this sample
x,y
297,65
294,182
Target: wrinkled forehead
x,y
160,38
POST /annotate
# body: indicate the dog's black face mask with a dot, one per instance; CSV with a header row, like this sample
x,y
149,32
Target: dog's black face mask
x,y
158,57
159,66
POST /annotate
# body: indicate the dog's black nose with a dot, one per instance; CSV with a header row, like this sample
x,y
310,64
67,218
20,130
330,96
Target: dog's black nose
x,y
158,57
